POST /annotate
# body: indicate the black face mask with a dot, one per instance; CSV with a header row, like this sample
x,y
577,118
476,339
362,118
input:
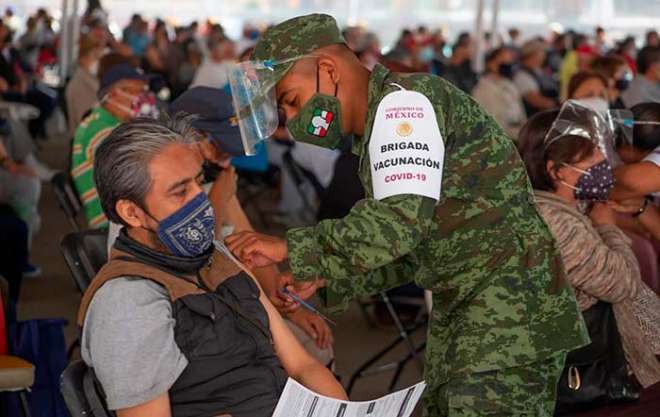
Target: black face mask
x,y
507,70
622,84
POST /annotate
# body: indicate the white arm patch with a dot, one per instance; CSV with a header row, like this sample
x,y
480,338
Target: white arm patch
x,y
406,150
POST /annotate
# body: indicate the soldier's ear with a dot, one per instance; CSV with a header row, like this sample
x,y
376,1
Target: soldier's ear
x,y
328,65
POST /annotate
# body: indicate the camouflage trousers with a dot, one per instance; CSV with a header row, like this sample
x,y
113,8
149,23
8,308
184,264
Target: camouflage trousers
x,y
522,391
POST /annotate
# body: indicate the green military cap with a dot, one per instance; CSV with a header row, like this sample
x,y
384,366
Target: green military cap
x,y
280,46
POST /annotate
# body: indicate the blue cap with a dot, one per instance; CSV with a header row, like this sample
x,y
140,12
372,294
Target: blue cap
x,y
117,73
215,116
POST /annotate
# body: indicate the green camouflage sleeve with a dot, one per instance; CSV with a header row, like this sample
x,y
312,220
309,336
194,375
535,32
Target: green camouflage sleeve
x,y
351,253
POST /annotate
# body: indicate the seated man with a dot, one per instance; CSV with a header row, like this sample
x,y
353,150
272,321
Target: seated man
x,y
170,326
123,95
213,114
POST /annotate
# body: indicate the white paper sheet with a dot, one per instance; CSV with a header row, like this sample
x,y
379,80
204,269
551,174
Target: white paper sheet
x,y
298,401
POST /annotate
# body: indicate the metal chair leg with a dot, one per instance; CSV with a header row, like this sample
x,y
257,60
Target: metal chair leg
x,y
24,404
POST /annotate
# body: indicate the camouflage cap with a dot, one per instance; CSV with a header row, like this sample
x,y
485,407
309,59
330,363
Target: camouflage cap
x,y
281,44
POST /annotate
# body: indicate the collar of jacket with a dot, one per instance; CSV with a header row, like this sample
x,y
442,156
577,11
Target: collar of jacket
x,y
177,264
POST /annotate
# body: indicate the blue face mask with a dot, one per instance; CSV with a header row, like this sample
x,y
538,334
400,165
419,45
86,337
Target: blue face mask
x,y
189,231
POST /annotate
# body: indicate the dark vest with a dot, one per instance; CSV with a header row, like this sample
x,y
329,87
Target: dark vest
x,y
224,333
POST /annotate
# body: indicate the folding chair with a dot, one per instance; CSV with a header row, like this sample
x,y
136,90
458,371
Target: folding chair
x,y
405,333
82,394
67,198
85,253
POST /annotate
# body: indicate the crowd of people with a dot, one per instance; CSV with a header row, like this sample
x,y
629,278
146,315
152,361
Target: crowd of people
x,y
132,168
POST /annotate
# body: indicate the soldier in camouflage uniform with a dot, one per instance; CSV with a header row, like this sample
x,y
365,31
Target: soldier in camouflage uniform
x,y
502,318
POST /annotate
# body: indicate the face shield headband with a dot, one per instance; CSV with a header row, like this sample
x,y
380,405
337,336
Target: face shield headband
x,y
578,118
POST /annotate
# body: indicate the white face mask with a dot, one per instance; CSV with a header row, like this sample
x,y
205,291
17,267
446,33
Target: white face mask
x,y
597,104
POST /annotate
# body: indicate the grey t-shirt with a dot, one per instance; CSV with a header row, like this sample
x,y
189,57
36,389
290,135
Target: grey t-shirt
x,y
641,90
128,338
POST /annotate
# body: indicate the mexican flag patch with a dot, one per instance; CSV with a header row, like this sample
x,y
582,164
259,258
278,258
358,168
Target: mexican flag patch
x,y
320,123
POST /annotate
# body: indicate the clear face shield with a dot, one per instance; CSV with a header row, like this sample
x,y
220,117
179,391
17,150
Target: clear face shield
x,y
252,86
586,119
255,104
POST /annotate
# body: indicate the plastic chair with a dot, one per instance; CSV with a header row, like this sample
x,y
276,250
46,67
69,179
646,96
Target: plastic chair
x,y
67,198
85,253
16,375
82,394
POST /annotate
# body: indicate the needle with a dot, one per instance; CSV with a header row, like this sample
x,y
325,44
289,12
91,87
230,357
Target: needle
x,y
225,250
307,306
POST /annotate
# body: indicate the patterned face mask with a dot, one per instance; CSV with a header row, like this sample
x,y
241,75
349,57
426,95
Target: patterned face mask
x,y
189,231
319,120
595,184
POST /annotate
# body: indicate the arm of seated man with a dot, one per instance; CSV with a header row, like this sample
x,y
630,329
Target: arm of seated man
x,y
128,338
158,407
295,359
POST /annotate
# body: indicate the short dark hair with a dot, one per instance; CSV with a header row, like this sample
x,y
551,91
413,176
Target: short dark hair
x,y
646,136
494,53
121,162
581,77
531,145
646,57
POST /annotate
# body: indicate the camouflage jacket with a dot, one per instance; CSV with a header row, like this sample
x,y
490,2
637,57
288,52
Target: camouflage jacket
x,y
499,294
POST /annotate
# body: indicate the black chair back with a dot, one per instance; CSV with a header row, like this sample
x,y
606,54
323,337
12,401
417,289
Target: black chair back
x,y
82,394
67,198
85,253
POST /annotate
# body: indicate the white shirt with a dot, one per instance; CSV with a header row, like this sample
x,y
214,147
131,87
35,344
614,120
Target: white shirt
x,y
501,99
525,83
211,74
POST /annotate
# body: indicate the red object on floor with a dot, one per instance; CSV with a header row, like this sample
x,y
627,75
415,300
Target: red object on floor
x,y
647,406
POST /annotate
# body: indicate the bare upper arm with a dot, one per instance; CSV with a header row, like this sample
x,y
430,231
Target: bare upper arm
x,y
158,407
636,180
291,353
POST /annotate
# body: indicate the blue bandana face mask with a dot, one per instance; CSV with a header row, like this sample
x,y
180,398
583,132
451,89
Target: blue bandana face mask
x,y
189,231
